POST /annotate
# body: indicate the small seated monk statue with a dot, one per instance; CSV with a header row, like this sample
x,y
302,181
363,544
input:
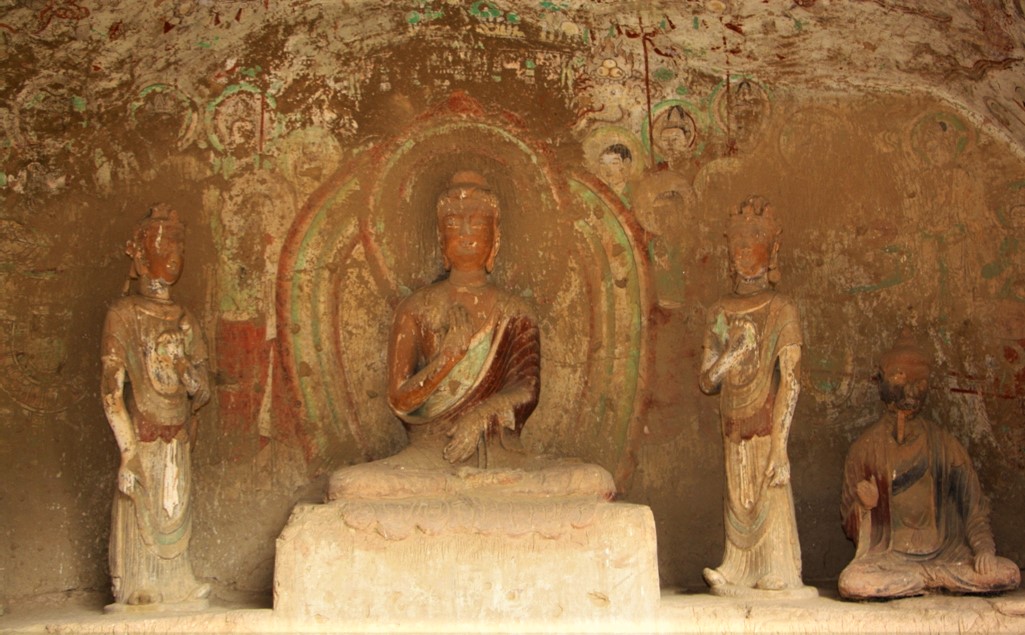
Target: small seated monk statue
x,y
464,374
911,499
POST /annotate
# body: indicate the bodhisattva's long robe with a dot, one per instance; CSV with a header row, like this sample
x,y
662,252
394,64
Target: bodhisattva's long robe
x,y
761,530
151,527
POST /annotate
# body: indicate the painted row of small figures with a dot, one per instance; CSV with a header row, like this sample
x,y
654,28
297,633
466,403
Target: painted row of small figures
x,y
464,375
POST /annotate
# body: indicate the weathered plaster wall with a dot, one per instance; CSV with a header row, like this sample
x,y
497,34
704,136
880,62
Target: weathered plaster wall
x,y
304,142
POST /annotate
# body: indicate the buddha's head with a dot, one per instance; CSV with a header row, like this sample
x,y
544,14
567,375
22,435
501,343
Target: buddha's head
x,y
157,247
468,216
904,375
752,236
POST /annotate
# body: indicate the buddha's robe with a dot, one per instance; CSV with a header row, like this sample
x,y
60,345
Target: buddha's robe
x,y
501,369
504,355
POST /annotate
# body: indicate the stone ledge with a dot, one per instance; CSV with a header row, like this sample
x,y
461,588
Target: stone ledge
x,y
679,613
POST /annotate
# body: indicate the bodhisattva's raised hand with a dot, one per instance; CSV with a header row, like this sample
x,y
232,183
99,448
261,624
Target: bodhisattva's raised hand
x,y
741,339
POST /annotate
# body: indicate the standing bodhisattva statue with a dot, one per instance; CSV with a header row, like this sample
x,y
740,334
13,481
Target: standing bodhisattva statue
x,y
752,354
154,379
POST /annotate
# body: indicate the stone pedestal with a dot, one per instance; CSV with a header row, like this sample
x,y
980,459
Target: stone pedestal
x,y
465,558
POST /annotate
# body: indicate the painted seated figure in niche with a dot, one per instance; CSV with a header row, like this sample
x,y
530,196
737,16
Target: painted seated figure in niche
x,y
912,503
464,375
752,353
154,379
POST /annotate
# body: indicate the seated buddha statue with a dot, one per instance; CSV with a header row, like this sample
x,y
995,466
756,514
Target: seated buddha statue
x,y
912,501
463,364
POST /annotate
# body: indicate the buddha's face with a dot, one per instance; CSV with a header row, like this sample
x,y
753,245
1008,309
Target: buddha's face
x,y
163,252
750,247
468,236
903,386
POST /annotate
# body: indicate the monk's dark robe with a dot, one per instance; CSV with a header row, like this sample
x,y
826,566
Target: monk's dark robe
x,y
931,519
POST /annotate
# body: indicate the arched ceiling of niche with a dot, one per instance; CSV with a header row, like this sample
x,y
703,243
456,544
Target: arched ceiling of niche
x,y
969,52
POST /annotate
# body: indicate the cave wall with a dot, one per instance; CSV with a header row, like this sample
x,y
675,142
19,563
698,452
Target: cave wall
x,y
901,200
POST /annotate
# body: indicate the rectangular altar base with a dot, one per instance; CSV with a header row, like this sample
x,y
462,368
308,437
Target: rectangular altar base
x,y
606,570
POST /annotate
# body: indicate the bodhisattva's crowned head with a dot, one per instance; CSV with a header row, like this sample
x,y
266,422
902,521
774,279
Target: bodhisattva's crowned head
x,y
904,375
468,215
752,236
157,247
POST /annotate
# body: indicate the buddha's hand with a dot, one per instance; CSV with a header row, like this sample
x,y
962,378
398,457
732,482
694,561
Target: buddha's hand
x,y
868,493
778,471
466,432
985,563
460,332
128,473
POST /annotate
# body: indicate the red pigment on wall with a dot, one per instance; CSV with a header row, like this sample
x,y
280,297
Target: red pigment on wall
x,y
243,353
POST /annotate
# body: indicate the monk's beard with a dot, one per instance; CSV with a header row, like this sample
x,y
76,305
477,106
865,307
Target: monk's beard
x,y
901,397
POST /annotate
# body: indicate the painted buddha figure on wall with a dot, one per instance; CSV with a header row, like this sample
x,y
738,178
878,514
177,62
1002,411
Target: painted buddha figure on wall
x,y
464,372
912,502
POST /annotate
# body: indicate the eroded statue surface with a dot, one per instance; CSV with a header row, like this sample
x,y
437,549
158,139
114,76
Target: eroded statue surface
x,y
911,499
154,379
752,352
464,376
